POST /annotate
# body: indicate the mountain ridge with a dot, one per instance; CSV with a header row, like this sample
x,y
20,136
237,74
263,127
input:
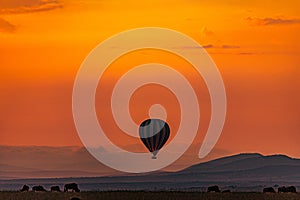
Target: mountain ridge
x,y
241,161
237,163
241,172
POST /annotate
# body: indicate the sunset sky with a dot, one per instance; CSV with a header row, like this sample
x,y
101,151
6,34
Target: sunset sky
x,y
255,45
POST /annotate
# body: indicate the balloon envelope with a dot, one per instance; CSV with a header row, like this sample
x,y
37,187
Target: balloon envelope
x,y
154,133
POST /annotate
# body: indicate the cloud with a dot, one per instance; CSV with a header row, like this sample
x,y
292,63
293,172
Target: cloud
x,y
209,46
271,21
28,6
230,47
212,46
6,26
225,46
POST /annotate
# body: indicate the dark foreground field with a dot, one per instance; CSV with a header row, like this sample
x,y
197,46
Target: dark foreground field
x,y
144,196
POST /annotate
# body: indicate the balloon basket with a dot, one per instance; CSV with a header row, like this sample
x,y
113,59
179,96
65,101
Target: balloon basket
x,y
154,157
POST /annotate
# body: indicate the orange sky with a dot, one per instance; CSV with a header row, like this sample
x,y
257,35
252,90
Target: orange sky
x,y
254,44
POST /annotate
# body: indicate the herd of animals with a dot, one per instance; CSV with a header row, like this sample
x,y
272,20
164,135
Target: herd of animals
x,y
73,187
283,189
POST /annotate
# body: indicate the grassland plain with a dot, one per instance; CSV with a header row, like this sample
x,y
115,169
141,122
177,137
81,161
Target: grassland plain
x,y
132,195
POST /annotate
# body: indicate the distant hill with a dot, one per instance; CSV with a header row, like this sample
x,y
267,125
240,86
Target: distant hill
x,y
242,172
47,162
236,168
244,168
242,162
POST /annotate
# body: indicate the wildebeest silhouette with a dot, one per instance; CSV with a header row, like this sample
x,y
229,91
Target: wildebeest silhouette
x,y
38,188
55,189
214,188
284,189
71,187
25,188
268,190
226,191
292,189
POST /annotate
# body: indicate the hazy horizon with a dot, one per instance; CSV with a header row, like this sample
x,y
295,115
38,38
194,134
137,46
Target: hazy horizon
x,y
55,162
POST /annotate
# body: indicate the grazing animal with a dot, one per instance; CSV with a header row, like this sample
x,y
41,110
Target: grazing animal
x,y
71,187
25,188
38,188
214,188
55,189
284,189
268,190
292,189
226,191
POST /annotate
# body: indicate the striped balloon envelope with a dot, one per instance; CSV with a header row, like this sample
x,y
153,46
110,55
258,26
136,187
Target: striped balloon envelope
x,y
154,133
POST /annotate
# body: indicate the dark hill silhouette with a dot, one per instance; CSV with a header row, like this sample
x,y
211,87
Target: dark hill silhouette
x,y
243,162
243,172
243,167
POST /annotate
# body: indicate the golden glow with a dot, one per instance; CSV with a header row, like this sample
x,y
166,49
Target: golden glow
x,y
254,44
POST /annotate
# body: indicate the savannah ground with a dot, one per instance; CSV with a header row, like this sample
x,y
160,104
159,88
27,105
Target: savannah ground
x,y
124,195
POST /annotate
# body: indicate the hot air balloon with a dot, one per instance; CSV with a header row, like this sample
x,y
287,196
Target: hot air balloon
x,y
154,133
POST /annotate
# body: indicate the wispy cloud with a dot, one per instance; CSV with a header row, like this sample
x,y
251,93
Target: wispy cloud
x,y
6,26
24,6
211,46
28,6
247,53
208,46
225,46
230,46
271,21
